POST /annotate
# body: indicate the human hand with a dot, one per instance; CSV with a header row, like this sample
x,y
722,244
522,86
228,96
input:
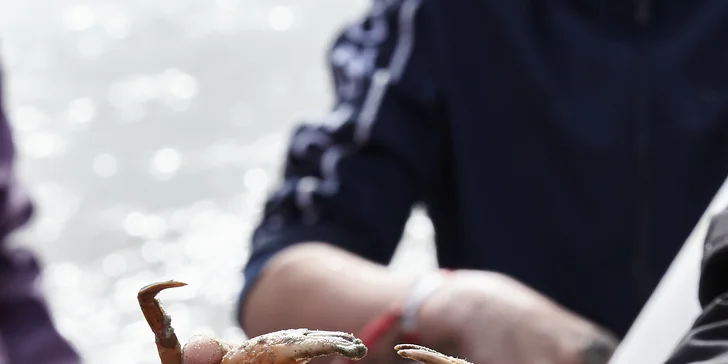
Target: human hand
x,y
489,318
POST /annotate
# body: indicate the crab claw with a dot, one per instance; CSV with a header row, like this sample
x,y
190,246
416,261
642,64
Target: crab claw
x,y
295,347
426,355
168,345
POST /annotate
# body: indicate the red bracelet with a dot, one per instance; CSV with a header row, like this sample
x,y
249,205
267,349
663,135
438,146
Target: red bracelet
x,y
375,329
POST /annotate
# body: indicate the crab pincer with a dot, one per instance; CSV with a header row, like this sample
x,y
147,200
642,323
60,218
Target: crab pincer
x,y
168,346
426,355
296,346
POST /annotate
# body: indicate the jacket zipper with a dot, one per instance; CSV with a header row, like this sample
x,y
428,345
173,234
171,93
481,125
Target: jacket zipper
x,y
643,231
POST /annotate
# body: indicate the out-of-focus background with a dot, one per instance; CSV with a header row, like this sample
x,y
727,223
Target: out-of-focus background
x,y
149,133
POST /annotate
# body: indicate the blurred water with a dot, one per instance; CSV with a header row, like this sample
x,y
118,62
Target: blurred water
x,y
149,133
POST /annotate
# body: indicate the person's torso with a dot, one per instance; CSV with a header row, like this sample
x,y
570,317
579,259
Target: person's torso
x,y
585,142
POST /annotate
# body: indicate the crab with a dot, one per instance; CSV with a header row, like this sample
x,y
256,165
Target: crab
x,y
297,346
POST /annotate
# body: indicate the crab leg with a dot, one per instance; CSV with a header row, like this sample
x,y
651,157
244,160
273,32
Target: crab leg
x,y
426,355
168,345
295,347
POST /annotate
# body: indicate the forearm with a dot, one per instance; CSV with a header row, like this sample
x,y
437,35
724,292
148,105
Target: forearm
x,y
319,286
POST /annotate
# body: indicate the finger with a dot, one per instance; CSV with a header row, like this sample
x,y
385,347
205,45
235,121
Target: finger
x,y
202,349
426,355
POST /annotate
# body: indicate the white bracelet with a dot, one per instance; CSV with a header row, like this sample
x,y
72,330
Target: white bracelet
x,y
422,289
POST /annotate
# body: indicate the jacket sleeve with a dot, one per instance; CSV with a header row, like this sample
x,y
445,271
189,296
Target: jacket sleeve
x,y
707,340
25,319
351,178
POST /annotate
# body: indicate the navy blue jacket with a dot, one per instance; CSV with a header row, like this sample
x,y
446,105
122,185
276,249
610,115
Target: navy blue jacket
x,y
572,144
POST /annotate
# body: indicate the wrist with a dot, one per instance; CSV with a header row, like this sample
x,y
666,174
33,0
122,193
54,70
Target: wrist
x,y
401,322
401,319
410,307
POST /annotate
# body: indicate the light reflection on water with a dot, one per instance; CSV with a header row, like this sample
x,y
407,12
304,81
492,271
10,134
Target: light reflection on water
x,y
149,133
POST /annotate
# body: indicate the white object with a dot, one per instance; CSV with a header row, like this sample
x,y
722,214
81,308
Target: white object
x,y
423,288
669,313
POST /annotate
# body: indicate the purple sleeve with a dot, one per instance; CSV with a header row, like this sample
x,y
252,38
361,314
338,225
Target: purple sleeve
x,y
27,333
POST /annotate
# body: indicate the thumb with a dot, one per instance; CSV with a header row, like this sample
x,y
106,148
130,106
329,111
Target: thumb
x,y
202,349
